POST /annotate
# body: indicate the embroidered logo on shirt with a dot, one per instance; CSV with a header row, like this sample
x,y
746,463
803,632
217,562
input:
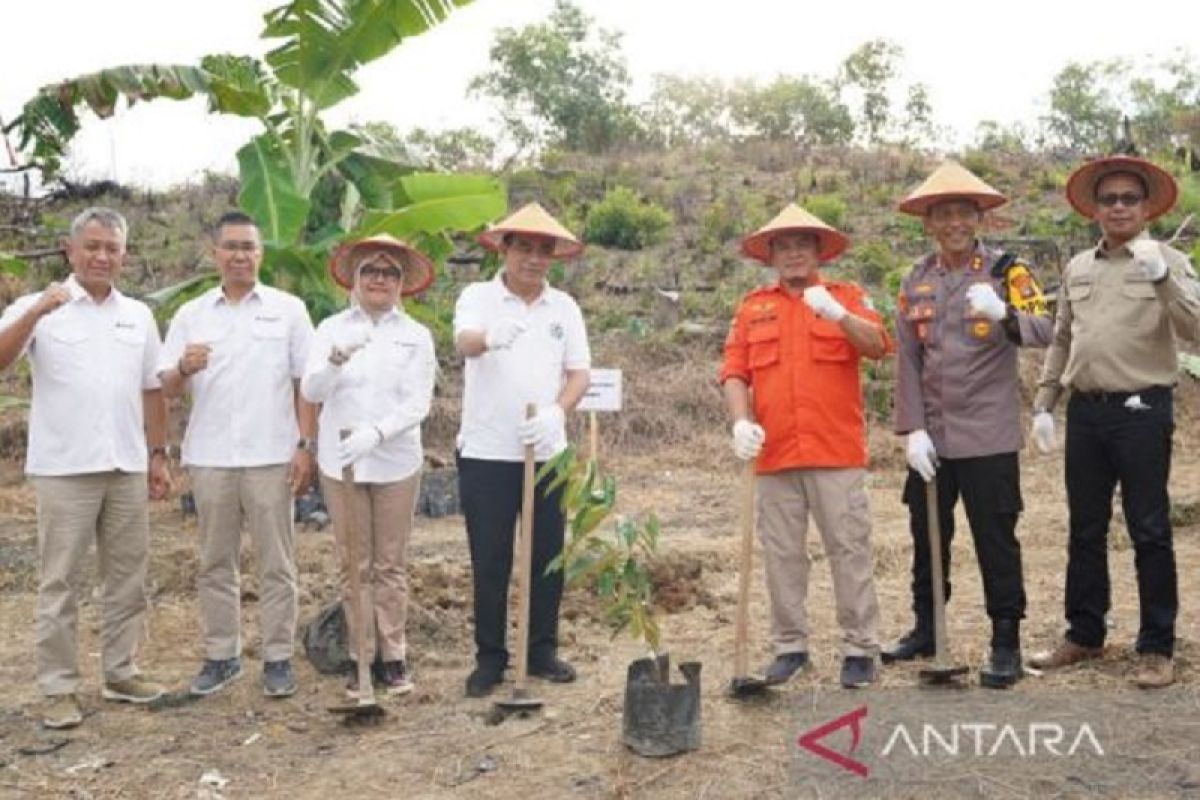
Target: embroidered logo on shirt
x,y
556,330
261,318
125,325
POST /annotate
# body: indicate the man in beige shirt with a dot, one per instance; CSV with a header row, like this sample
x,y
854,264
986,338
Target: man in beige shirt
x,y
1123,308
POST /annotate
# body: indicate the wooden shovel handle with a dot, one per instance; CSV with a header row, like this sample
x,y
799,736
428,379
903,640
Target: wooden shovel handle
x,y
525,572
366,690
741,654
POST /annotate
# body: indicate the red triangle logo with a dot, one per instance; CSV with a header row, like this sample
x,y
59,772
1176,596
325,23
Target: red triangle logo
x,y
811,741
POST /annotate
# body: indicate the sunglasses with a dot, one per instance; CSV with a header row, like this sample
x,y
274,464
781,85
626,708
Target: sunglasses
x,y
387,273
1127,199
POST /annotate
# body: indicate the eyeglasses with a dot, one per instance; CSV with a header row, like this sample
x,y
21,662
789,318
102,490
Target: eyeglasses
x,y
387,273
1127,199
237,247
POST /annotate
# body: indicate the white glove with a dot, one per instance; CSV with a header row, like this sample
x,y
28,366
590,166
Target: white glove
x,y
362,440
543,427
921,455
823,303
349,340
1148,255
504,333
1043,431
748,439
983,301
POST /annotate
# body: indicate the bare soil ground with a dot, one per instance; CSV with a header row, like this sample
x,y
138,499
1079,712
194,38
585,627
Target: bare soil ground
x,y
437,744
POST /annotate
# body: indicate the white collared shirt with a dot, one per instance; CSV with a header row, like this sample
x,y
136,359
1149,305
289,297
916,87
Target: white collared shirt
x,y
388,384
499,383
243,402
90,361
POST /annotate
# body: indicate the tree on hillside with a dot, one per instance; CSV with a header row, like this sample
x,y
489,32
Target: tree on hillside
x,y
306,185
687,110
1084,112
870,70
802,109
560,82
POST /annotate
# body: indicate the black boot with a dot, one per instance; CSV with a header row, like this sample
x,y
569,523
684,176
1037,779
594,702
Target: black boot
x,y
1003,667
917,643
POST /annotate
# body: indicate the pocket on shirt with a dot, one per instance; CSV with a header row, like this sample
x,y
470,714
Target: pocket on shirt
x,y
271,340
1138,288
763,346
829,342
1078,291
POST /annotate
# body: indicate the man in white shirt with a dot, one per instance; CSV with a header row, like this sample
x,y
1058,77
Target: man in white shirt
x,y
372,367
239,349
524,342
96,404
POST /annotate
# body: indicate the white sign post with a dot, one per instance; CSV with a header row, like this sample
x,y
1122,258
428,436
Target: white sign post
x,y
603,394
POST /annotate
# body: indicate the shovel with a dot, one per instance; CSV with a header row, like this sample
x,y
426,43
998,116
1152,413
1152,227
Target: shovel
x,y
366,709
744,684
941,671
520,701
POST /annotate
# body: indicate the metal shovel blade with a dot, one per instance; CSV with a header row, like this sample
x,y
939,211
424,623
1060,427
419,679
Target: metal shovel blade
x,y
941,674
747,686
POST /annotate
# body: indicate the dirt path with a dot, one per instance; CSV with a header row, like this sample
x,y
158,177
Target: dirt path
x,y
436,743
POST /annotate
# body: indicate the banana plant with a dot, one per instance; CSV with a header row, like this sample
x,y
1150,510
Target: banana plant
x,y
307,186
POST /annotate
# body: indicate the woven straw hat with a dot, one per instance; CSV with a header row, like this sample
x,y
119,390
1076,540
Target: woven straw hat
x,y
418,269
534,220
951,181
831,242
1081,186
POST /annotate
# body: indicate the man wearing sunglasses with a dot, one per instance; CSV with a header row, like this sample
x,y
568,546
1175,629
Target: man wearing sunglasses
x,y
1124,307
239,349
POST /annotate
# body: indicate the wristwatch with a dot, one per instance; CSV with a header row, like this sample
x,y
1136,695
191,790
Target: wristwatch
x,y
307,444
158,451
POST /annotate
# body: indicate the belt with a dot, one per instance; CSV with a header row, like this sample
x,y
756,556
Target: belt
x,y
1150,392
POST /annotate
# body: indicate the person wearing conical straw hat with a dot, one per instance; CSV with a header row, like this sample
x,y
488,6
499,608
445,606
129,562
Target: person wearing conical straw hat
x,y
1125,307
371,368
791,381
524,342
963,312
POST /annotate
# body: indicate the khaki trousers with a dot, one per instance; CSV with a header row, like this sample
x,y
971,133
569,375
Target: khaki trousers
x,y
261,498
383,515
109,508
837,500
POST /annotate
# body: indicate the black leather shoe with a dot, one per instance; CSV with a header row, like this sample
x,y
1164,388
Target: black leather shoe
x,y
481,682
555,670
784,667
1003,667
917,643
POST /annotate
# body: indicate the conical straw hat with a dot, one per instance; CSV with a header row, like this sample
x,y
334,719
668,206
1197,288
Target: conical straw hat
x,y
535,220
831,242
1160,184
418,269
951,181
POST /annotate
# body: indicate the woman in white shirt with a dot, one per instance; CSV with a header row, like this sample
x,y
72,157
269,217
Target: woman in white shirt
x,y
372,368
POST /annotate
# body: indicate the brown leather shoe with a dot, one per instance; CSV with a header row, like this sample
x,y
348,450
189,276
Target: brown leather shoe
x,y
1154,671
1066,654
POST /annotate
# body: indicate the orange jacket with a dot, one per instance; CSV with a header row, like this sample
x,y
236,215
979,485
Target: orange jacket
x,y
804,378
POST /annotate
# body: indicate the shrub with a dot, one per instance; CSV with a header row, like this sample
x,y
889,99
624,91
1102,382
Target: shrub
x,y
623,221
829,208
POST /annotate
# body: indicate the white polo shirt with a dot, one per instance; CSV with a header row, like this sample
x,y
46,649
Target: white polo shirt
x,y
90,363
243,406
388,383
499,383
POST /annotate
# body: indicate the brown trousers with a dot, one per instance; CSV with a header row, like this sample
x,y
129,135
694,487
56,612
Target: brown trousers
x,y
109,508
260,497
383,516
837,501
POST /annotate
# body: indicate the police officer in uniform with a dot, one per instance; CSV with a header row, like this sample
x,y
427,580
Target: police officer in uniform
x,y
963,311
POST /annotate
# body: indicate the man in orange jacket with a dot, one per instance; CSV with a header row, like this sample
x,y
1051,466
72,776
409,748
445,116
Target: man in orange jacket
x,y
793,353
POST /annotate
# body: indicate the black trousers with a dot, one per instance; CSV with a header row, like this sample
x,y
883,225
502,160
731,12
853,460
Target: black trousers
x,y
1108,444
490,492
990,488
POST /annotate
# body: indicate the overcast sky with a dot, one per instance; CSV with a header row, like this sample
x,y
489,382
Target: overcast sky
x,y
980,60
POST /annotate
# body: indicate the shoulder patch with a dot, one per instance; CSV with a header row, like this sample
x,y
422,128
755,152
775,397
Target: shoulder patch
x,y
1024,293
